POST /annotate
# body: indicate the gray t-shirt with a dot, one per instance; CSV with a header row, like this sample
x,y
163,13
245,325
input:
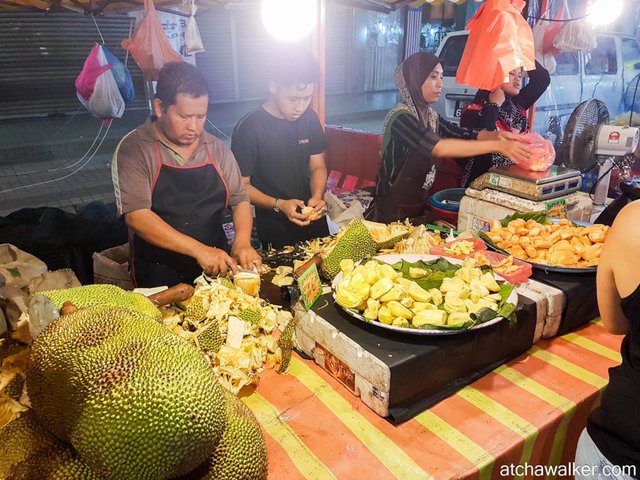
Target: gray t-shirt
x,y
135,166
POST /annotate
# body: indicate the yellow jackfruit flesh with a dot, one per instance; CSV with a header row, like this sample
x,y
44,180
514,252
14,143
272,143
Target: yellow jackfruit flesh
x,y
381,287
429,317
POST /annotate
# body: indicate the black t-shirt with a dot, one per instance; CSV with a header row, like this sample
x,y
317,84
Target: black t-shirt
x,y
615,425
275,152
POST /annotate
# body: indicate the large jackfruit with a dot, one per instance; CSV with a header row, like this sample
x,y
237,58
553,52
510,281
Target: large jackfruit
x,y
29,452
134,400
242,452
103,294
355,243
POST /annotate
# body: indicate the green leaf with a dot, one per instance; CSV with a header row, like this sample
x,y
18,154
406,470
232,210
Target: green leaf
x,y
539,216
484,315
505,292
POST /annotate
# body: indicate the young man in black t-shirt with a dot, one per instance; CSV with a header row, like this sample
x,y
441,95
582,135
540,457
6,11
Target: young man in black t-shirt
x,y
280,150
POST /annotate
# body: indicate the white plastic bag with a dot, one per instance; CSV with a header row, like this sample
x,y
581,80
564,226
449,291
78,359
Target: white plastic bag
x,y
106,100
577,36
547,60
192,39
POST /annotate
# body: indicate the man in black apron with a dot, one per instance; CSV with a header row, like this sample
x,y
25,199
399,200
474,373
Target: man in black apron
x,y
173,181
280,150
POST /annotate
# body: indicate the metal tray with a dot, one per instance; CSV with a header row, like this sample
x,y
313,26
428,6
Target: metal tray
x,y
395,258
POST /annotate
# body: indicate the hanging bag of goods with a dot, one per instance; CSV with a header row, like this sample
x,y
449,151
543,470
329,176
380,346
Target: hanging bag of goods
x,y
96,88
500,40
149,44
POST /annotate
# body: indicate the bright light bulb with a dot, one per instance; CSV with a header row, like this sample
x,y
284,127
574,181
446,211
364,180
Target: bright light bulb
x,y
604,12
289,20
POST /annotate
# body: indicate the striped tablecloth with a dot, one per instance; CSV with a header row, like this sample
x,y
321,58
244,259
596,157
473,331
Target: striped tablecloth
x,y
530,410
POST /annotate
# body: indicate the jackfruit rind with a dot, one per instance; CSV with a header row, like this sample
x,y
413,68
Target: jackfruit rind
x,y
356,243
138,403
103,294
242,452
29,452
209,338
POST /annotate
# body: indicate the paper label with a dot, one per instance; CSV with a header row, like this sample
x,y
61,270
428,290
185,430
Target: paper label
x,y
310,286
557,208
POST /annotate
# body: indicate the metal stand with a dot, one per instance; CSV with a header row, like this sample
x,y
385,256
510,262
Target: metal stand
x,y
604,177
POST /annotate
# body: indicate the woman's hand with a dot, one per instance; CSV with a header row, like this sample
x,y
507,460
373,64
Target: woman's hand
x,y
215,261
516,150
290,209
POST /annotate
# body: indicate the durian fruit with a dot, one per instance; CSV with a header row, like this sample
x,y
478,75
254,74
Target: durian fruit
x,y
355,243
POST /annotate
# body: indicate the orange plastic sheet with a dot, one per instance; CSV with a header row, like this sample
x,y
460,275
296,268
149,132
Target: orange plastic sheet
x,y
149,44
530,410
500,40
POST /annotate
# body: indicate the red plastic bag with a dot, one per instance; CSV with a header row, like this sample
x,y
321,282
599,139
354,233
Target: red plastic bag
x,y
91,70
500,40
542,153
149,44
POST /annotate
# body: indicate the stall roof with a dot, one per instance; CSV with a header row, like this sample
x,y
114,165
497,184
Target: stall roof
x,y
105,6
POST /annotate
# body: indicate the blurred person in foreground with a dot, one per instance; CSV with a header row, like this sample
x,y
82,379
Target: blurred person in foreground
x,y
610,445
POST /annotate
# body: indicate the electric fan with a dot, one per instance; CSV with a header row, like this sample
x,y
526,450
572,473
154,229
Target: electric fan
x,y
589,141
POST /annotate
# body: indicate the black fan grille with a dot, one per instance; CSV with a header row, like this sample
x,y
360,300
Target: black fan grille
x,y
580,134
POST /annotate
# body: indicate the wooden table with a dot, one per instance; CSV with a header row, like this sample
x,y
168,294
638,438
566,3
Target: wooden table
x,y
531,410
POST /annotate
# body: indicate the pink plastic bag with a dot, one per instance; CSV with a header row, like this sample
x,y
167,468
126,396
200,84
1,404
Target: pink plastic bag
x,y
542,153
149,44
86,81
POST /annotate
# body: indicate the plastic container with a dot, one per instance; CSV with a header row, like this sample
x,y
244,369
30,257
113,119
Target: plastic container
x,y
520,275
446,203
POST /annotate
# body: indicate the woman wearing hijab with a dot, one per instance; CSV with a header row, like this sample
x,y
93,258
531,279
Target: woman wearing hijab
x,y
413,140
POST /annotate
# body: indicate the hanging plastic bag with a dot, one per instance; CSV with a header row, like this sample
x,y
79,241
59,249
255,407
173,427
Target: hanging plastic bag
x,y
500,40
547,60
121,75
553,28
91,70
192,39
105,101
149,44
577,36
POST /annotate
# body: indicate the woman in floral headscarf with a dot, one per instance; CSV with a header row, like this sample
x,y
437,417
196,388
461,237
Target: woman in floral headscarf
x,y
412,142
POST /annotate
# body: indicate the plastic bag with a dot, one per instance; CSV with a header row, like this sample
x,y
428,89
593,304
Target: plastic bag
x,y
91,70
149,44
542,153
105,100
577,36
192,40
500,40
547,60
121,75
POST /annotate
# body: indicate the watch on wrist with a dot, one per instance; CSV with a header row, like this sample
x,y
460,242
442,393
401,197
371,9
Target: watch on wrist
x,y
276,208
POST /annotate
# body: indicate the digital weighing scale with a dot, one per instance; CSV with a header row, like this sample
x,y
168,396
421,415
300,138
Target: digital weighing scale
x,y
552,183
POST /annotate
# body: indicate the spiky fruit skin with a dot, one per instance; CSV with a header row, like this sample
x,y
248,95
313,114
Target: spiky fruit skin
x,y
134,400
195,310
356,243
250,316
29,452
241,453
210,339
103,294
285,342
224,281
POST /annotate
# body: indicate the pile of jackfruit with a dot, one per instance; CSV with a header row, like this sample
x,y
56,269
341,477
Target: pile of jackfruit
x,y
116,395
458,298
235,331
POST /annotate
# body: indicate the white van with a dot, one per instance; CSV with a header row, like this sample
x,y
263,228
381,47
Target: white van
x,y
609,73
